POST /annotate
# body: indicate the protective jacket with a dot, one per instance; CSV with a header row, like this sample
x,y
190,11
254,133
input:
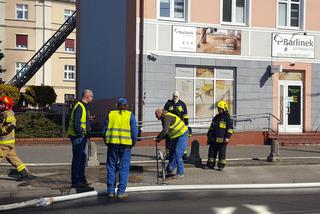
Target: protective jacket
x,y
120,128
221,128
179,109
79,123
7,127
173,126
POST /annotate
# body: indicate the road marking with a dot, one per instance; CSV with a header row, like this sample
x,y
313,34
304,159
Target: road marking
x,y
260,209
223,210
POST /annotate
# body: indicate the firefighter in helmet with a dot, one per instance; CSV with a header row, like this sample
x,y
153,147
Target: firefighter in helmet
x,y
219,135
7,137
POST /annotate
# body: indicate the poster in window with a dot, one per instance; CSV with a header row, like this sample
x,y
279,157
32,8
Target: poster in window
x,y
185,87
224,91
204,98
218,41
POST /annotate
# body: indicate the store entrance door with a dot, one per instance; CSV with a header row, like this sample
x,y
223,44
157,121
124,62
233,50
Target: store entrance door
x,y
290,106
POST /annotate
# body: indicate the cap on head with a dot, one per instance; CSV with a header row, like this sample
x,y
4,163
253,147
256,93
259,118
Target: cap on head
x,y
122,101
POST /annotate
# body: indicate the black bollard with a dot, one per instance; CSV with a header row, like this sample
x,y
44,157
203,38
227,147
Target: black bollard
x,y
194,157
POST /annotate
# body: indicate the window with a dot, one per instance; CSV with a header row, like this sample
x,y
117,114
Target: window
x,y
22,41
202,87
69,72
289,13
67,14
234,11
19,66
172,9
69,45
22,11
69,98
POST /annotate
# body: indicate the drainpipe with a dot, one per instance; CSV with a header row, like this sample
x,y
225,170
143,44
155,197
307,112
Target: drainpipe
x,y
140,75
43,36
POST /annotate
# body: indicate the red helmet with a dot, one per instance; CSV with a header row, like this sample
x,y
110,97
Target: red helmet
x,y
7,101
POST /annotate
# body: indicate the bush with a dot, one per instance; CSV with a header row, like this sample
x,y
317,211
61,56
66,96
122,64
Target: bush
x,y
38,125
11,91
41,96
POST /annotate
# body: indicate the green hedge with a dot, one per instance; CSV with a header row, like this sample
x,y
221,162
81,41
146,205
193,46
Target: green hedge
x,y
38,125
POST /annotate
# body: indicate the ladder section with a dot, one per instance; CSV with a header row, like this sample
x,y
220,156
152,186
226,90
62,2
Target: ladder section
x,y
44,53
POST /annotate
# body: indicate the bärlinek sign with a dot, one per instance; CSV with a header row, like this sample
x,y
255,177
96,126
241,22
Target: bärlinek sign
x,y
292,45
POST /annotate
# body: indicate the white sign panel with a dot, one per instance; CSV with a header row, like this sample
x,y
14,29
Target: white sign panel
x,y
292,45
184,39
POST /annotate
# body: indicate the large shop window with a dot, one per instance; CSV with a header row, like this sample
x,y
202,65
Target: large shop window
x,y
172,9
201,88
289,13
234,11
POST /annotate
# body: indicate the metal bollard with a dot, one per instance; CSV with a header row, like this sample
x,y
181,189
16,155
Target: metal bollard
x,y
194,157
274,152
93,158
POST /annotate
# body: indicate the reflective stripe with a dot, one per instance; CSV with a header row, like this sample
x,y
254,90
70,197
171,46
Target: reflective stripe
x,y
219,140
178,128
119,129
222,161
230,131
83,119
21,167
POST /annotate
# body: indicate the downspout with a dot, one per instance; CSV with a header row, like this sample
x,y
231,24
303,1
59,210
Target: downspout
x,y
140,75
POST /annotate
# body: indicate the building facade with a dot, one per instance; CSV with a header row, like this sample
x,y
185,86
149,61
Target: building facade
x,y
24,27
260,56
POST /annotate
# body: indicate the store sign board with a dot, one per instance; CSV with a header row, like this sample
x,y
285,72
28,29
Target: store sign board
x,y
184,38
206,40
292,45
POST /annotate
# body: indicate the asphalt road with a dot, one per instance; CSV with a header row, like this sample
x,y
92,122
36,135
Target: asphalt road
x,y
262,201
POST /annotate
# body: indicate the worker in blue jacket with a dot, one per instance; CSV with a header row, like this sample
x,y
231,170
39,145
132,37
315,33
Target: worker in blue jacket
x,y
120,132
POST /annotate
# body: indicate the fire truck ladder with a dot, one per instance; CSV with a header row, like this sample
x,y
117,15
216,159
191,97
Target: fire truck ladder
x,y
44,53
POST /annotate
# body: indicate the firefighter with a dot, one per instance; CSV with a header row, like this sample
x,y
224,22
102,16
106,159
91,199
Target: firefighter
x,y
120,133
7,138
177,132
219,135
178,107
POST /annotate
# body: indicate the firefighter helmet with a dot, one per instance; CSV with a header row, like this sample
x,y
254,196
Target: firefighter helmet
x,y
7,101
223,105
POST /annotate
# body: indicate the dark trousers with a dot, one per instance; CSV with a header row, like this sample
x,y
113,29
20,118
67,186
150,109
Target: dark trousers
x,y
216,149
79,159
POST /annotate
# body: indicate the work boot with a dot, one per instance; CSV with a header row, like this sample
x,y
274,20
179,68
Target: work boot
x,y
84,189
122,195
111,195
211,163
24,175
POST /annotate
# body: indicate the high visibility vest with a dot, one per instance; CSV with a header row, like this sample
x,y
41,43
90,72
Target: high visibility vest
x,y
119,129
83,120
8,119
178,128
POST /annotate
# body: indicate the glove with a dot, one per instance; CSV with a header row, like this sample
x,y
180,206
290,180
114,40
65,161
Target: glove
x,y
226,140
190,131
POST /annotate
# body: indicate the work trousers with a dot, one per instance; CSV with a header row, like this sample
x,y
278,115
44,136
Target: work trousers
x,y
177,148
118,159
79,160
8,151
218,149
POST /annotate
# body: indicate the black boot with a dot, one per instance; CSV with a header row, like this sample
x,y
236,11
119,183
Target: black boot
x,y
24,175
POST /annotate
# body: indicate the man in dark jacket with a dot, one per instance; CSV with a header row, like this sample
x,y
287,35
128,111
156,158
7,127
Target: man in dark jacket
x,y
219,135
78,130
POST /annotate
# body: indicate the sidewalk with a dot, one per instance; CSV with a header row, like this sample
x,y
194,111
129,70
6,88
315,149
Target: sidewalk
x,y
246,165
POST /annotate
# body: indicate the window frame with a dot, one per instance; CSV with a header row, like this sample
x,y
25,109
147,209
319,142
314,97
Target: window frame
x,y
214,79
301,14
67,15
171,17
24,10
70,50
68,71
24,47
234,15
21,65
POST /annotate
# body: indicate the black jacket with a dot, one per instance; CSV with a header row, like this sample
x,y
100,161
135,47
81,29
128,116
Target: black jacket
x,y
220,129
179,109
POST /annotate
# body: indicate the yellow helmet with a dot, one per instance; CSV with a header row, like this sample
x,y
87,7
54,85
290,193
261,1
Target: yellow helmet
x,y
223,105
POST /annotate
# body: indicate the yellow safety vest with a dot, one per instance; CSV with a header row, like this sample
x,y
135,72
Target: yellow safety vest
x,y
8,119
83,120
119,129
178,128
